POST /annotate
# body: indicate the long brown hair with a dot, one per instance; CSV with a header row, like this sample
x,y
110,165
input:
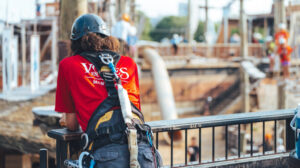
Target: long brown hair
x,y
94,42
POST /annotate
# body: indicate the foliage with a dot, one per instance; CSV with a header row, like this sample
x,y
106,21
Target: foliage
x,y
147,27
199,34
168,26
234,30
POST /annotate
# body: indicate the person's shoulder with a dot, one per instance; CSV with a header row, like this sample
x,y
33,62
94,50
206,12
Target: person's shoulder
x,y
68,61
126,58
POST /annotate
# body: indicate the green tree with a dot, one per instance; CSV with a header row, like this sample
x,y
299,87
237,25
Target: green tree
x,y
168,26
147,27
199,34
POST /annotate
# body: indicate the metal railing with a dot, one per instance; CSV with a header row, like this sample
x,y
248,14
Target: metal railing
x,y
65,140
226,121
223,51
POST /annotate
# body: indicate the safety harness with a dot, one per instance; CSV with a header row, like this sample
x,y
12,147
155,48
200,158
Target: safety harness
x,y
116,115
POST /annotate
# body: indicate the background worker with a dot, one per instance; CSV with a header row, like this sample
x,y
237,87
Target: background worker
x,y
80,90
284,51
175,41
281,33
193,150
268,145
122,30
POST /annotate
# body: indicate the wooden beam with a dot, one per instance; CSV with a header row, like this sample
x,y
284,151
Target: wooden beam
x,y
69,11
18,161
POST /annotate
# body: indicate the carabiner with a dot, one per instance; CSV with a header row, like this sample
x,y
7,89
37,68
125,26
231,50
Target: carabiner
x,y
106,58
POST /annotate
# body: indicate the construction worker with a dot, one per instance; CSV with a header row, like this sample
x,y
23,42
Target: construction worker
x,y
121,30
175,41
281,33
86,90
268,146
193,150
284,51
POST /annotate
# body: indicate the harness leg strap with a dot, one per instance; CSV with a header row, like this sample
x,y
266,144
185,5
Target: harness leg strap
x,y
133,148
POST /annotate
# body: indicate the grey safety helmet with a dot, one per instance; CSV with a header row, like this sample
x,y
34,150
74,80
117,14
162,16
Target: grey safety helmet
x,y
88,23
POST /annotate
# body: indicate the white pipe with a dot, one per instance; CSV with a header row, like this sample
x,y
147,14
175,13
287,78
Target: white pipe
x,y
162,84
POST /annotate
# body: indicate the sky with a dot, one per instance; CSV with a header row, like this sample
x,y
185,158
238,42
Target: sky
x,y
25,9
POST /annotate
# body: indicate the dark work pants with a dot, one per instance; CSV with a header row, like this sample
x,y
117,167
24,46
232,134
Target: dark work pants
x,y
117,156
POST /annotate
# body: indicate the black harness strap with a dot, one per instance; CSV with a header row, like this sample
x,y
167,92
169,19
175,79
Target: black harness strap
x,y
111,101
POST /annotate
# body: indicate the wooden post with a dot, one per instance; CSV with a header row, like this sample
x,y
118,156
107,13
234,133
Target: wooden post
x,y
69,11
14,62
279,13
54,46
244,54
243,31
132,10
245,86
23,40
34,62
189,35
18,160
282,104
121,8
225,13
6,60
206,20
265,26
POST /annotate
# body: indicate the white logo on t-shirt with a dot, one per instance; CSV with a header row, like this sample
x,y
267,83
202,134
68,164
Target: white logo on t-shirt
x,y
91,70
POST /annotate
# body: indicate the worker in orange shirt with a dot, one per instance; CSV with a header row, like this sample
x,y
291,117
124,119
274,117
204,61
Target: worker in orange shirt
x,y
284,51
282,33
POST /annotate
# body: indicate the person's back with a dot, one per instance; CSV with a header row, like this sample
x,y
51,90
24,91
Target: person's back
x,y
80,89
87,95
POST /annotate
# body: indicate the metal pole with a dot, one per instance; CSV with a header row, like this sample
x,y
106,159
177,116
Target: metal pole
x,y
23,40
43,158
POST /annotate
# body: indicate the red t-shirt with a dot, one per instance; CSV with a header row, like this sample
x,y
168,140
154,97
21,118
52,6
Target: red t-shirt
x,y
284,53
80,89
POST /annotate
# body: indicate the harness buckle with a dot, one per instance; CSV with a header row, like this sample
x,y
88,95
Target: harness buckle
x,y
106,58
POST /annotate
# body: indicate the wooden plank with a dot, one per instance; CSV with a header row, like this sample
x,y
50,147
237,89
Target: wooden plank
x,y
18,161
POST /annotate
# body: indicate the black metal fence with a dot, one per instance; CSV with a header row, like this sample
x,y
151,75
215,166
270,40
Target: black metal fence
x,y
65,139
225,121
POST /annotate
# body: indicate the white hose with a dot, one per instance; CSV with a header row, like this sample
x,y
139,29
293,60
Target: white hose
x,y
162,84
164,91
